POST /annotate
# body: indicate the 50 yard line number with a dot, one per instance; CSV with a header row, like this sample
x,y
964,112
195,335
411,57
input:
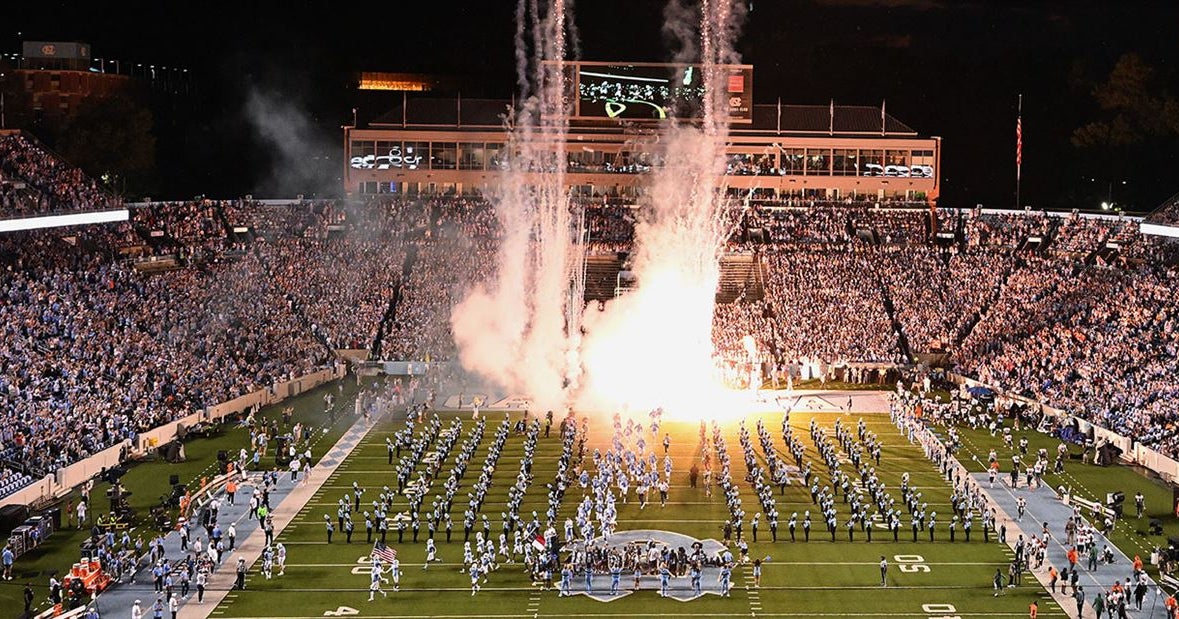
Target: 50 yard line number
x,y
911,564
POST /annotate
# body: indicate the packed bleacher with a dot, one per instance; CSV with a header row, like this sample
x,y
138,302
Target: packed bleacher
x,y
439,279
342,284
939,294
831,297
827,306
1095,341
1167,213
35,181
1005,229
97,351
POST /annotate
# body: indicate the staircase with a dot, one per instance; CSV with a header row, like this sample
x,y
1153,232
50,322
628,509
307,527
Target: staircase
x,y
741,277
1103,255
898,329
601,276
296,307
969,326
387,321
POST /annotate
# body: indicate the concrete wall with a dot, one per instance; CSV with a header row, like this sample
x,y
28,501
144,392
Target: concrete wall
x,y
69,477
1167,468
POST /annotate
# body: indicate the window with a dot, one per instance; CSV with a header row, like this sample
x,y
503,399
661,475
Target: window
x,y
741,164
818,161
443,156
793,160
921,165
414,154
645,160
896,163
388,156
586,160
872,162
362,156
493,152
845,162
471,155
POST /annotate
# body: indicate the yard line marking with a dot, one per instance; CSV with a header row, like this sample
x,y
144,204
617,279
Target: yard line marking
x,y
764,565
516,616
531,588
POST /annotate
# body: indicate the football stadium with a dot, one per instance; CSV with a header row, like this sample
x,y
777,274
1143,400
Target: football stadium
x,y
637,340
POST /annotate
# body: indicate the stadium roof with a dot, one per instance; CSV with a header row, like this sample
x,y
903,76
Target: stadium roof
x,y
481,114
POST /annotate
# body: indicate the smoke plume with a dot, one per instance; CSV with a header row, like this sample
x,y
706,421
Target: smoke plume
x,y
519,329
512,328
653,347
297,150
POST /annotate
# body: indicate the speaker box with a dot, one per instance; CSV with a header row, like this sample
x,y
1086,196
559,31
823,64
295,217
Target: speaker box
x,y
173,480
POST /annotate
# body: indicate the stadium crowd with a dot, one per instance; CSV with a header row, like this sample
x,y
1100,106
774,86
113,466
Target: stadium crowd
x,y
826,306
97,351
1168,213
50,183
1054,335
938,295
344,306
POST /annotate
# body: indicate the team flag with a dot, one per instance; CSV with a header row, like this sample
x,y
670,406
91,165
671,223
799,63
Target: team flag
x,y
538,543
383,552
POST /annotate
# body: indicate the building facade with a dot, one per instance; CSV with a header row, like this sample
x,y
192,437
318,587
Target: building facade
x,y
457,146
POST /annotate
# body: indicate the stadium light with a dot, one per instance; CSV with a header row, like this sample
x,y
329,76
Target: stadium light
x,y
58,221
1105,206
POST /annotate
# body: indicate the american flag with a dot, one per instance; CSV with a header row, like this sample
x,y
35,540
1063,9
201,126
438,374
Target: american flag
x,y
383,552
1018,142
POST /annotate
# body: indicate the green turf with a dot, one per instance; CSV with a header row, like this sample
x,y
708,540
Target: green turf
x,y
1091,482
148,481
801,579
830,385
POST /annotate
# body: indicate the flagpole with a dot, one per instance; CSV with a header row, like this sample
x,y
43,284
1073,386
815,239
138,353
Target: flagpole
x,y
1018,148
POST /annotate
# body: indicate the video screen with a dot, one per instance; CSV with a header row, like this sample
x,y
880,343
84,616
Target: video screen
x,y
656,92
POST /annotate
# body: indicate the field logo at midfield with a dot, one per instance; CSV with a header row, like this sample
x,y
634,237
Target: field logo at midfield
x,y
680,587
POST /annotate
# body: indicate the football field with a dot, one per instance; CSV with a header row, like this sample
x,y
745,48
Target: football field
x,y
815,578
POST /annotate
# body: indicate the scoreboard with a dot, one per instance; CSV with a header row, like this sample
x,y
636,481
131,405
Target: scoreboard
x,y
655,91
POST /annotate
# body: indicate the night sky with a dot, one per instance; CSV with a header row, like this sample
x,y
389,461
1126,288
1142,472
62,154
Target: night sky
x,y
947,68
